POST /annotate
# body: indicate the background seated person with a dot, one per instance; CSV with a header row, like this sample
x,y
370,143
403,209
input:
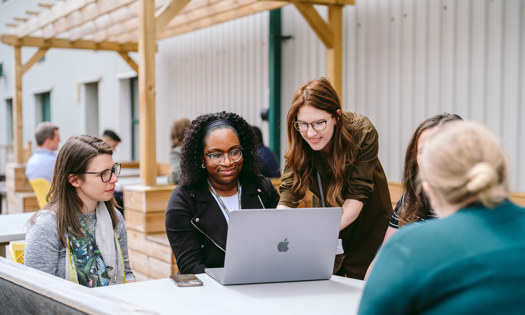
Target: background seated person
x,y
220,174
270,163
42,162
470,260
176,135
79,236
111,138
414,206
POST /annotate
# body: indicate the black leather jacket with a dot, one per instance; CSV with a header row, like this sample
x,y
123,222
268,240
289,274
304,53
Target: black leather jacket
x,y
196,226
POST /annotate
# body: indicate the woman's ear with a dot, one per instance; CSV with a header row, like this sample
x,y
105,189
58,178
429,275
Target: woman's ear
x,y
73,180
338,114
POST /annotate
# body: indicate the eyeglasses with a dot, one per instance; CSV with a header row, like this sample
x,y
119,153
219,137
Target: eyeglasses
x,y
318,125
106,175
219,157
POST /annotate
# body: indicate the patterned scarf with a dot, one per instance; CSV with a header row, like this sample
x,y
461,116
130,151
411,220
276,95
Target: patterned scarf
x,y
86,256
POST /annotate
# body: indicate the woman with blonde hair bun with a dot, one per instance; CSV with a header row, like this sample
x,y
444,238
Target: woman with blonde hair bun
x,y
471,259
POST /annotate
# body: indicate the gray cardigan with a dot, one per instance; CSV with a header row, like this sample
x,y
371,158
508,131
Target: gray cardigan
x,y
45,252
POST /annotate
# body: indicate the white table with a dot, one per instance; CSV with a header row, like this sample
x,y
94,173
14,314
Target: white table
x,y
335,296
12,228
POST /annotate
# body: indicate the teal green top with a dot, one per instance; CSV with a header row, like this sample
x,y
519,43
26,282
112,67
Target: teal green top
x,y
472,262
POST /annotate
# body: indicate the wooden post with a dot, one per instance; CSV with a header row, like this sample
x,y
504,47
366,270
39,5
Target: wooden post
x,y
147,36
334,54
18,124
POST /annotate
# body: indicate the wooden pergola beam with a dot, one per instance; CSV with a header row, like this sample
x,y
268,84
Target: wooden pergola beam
x,y
331,34
316,22
129,61
168,12
334,54
147,88
34,59
18,125
40,42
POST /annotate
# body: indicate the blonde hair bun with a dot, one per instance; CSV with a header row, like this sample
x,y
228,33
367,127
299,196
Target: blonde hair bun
x,y
481,177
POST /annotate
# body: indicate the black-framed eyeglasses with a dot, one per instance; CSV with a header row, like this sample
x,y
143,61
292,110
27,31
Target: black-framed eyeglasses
x,y
219,157
106,175
318,125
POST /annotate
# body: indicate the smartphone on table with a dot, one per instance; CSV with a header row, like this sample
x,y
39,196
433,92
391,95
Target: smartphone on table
x,y
186,280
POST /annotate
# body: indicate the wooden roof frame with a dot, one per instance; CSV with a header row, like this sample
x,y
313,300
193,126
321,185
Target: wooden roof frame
x,y
127,26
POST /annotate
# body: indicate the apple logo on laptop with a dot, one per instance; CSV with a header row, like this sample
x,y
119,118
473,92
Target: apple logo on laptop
x,y
283,246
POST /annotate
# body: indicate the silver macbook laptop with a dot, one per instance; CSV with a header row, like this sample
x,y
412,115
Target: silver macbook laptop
x,y
276,245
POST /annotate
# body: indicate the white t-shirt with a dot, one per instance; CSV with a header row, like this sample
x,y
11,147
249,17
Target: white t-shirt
x,y
231,202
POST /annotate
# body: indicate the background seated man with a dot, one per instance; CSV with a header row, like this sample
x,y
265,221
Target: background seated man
x,y
111,138
42,162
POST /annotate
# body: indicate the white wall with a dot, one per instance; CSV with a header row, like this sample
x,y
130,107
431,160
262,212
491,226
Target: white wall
x,y
404,60
219,68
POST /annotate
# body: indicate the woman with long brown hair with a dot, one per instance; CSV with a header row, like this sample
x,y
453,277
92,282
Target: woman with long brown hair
x,y
334,154
79,235
414,205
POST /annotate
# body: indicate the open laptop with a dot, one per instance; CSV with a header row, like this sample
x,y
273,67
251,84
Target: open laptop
x,y
276,245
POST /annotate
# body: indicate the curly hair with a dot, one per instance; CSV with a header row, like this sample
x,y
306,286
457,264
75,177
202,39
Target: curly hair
x,y
192,153
320,94
416,205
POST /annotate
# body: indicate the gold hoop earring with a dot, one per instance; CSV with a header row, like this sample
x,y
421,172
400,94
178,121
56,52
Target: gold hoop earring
x,y
203,165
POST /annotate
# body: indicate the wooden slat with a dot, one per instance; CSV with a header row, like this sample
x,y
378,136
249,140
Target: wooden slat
x,y
518,198
21,202
150,222
147,245
89,15
46,5
58,11
150,266
147,198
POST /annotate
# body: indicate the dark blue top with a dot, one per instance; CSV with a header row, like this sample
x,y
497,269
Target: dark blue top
x,y
270,163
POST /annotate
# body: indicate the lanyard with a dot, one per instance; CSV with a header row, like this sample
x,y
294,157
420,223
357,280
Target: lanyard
x,y
221,203
321,189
